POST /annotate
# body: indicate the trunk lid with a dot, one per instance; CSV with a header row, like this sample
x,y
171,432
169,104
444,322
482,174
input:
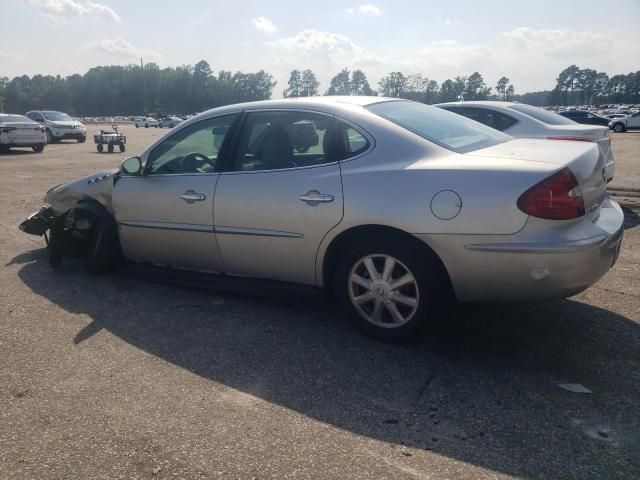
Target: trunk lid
x,y
586,161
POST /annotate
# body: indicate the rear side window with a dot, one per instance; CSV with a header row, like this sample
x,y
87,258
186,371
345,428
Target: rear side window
x,y
284,139
490,118
444,128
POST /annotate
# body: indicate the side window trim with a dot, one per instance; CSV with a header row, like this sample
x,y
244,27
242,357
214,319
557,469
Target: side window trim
x,y
222,152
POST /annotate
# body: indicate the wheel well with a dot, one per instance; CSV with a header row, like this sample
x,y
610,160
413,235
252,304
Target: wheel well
x,y
346,238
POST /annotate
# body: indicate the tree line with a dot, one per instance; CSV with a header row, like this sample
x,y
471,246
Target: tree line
x,y
580,86
134,89
396,84
137,89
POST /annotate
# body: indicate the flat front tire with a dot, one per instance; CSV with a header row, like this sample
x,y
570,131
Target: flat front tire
x,y
390,287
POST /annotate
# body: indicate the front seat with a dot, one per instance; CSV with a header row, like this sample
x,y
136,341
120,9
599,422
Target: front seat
x,y
276,150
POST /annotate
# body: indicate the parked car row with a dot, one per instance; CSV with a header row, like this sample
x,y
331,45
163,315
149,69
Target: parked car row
x,y
393,207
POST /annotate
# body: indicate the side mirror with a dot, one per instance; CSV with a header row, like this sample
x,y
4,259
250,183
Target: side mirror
x,y
131,166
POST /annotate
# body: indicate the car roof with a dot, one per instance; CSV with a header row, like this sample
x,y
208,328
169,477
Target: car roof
x,y
479,103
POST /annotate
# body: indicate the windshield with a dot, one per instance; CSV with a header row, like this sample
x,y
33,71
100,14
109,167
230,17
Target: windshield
x,y
14,118
447,129
550,118
56,116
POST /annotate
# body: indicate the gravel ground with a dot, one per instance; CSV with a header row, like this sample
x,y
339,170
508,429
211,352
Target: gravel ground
x,y
113,377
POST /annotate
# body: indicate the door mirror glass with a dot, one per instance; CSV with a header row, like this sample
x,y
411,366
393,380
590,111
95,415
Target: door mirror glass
x,y
131,166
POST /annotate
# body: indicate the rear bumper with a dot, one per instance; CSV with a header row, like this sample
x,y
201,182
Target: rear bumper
x,y
520,267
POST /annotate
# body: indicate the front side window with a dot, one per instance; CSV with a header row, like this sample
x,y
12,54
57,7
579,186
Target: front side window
x,y
193,149
278,140
449,130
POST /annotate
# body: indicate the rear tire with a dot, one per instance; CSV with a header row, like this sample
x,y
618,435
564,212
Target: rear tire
x,y
137,126
619,128
110,148
82,139
38,148
409,289
122,147
100,148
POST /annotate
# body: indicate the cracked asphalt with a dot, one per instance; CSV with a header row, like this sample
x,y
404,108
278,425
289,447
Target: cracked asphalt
x,y
116,377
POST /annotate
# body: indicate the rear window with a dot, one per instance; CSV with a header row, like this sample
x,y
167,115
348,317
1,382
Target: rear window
x,y
550,118
447,129
15,118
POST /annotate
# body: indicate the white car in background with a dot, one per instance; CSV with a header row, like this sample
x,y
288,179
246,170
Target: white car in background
x,y
20,131
59,126
169,122
145,122
525,121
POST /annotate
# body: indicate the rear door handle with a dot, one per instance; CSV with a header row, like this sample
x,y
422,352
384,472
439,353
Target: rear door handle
x,y
314,197
191,196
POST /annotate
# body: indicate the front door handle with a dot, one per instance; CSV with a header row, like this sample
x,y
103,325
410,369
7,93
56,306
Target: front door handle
x,y
191,196
314,197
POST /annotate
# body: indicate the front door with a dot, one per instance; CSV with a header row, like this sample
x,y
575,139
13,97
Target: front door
x,y
165,216
279,196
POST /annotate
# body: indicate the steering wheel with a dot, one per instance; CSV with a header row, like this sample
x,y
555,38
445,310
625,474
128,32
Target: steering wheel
x,y
192,162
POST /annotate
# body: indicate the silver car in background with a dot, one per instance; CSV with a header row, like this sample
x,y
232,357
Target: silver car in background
x,y
394,207
526,121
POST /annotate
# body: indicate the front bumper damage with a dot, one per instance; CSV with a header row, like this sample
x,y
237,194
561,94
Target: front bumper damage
x,y
39,222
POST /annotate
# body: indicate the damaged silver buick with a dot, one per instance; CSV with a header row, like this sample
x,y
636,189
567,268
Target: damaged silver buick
x,y
393,206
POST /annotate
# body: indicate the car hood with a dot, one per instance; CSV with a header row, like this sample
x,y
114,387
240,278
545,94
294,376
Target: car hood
x,y
98,187
64,123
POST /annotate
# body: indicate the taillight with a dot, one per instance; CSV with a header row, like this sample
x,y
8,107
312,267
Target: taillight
x,y
569,137
553,198
42,129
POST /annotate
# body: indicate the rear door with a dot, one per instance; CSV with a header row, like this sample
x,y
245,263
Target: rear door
x,y
280,193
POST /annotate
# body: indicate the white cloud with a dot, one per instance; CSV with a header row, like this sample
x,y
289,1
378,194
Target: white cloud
x,y
366,9
120,48
557,42
60,11
264,25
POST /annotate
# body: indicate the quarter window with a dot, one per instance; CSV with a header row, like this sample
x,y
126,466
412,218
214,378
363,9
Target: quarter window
x,y
277,140
194,149
354,142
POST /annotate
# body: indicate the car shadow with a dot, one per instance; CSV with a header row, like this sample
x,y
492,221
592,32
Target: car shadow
x,y
481,387
19,151
631,218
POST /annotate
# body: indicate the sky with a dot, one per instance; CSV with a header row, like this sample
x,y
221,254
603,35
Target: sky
x,y
529,42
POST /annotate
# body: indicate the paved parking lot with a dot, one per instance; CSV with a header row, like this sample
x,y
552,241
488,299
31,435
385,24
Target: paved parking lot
x,y
115,377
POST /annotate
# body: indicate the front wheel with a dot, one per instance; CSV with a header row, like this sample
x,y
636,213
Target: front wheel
x,y
122,147
390,287
618,128
82,139
110,148
50,137
38,148
100,148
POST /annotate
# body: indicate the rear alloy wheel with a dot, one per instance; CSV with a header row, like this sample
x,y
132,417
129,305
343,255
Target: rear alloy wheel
x,y
389,287
38,148
618,128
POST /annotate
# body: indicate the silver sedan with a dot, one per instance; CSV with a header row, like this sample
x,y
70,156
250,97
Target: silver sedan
x,y
394,207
